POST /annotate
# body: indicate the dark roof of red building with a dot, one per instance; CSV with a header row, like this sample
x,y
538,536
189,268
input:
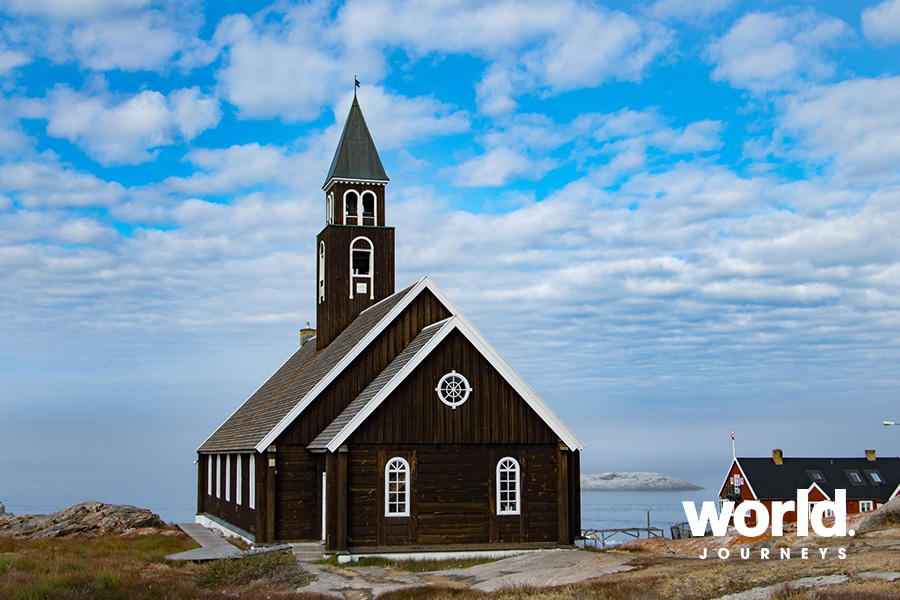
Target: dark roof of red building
x,y
781,482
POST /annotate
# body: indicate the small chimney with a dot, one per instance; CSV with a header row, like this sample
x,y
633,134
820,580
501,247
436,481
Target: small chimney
x,y
306,334
778,456
870,455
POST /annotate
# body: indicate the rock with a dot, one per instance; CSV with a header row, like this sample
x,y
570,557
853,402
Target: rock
x,y
629,482
886,516
2,509
89,518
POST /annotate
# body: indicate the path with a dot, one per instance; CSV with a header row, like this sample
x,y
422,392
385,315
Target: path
x,y
212,544
543,568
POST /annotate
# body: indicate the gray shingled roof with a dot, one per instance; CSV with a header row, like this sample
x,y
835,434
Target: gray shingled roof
x,y
356,156
290,385
781,482
368,395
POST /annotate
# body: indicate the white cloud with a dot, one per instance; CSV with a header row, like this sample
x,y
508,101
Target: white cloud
x,y
881,23
126,130
689,10
10,60
227,169
49,184
130,43
767,51
498,167
855,123
73,9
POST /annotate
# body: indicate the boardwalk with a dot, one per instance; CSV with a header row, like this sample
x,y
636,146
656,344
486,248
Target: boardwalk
x,y
212,544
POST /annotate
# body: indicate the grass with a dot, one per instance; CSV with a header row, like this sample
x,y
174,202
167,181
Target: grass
x,y
135,568
410,565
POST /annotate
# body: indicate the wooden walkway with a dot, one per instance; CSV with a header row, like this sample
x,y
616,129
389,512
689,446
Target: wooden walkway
x,y
602,536
212,544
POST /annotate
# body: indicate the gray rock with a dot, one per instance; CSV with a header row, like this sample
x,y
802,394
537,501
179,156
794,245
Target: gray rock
x,y
883,518
2,509
90,518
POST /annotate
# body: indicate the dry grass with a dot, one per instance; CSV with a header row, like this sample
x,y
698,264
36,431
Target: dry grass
x,y
114,568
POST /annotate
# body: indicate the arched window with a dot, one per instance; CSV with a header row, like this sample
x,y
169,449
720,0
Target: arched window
x,y
321,271
351,208
362,266
368,208
396,488
508,497
329,209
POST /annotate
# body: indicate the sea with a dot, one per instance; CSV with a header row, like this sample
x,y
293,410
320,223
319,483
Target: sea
x,y
175,501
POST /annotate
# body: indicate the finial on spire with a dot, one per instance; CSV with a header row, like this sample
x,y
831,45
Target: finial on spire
x,y
355,85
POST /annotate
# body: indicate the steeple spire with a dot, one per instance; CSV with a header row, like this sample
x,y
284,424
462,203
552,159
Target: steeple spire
x,y
356,157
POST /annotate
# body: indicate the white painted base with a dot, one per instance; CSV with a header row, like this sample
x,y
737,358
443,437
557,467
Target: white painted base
x,y
210,524
346,558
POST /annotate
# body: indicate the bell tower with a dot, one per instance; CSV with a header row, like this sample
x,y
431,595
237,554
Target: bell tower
x,y
355,251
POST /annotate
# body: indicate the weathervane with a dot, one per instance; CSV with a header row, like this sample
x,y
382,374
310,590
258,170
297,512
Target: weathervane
x,y
355,85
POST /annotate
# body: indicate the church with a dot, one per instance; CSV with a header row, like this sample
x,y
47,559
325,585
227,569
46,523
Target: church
x,y
396,427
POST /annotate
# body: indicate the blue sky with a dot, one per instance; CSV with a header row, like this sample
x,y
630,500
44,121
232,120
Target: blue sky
x,y
674,218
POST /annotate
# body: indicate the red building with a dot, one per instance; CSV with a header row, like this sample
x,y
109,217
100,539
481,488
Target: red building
x,y
869,481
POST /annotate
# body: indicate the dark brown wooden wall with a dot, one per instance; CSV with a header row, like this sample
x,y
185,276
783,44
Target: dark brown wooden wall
x,y
298,489
423,311
338,309
493,414
453,497
338,190
228,510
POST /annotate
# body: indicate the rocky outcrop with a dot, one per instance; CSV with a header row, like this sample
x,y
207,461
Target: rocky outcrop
x,y
635,482
87,518
883,518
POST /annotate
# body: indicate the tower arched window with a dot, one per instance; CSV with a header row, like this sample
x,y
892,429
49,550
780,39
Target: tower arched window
x,y
368,208
508,493
329,209
321,271
396,488
351,207
362,267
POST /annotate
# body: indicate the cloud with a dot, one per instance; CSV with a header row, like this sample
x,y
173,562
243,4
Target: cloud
x,y
10,60
73,9
125,130
881,23
689,10
233,168
864,141
49,184
498,167
767,51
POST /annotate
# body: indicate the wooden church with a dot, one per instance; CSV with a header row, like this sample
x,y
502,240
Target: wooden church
x,y
397,427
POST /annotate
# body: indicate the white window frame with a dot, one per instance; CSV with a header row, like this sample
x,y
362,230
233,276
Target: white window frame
x,y
209,475
238,481
251,500
358,216
322,271
454,397
397,507
329,209
227,478
509,494
371,275
866,506
374,205
218,475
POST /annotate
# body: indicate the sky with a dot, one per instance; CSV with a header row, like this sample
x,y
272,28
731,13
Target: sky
x,y
673,218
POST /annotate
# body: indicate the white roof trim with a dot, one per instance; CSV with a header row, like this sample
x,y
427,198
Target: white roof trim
x,y
344,362
471,333
894,495
460,322
447,325
816,485
743,475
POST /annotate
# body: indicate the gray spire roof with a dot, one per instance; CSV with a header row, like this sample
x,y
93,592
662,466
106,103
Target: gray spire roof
x,y
356,156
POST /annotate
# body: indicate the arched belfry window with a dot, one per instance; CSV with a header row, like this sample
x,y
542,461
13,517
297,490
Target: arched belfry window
x,y
321,271
329,209
508,496
368,208
396,488
351,207
362,267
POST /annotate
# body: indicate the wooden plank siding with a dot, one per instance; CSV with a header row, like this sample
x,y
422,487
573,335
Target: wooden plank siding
x,y
452,501
493,414
241,514
338,309
298,491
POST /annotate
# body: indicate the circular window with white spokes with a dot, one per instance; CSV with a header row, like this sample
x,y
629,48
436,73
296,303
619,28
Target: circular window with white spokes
x,y
453,389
